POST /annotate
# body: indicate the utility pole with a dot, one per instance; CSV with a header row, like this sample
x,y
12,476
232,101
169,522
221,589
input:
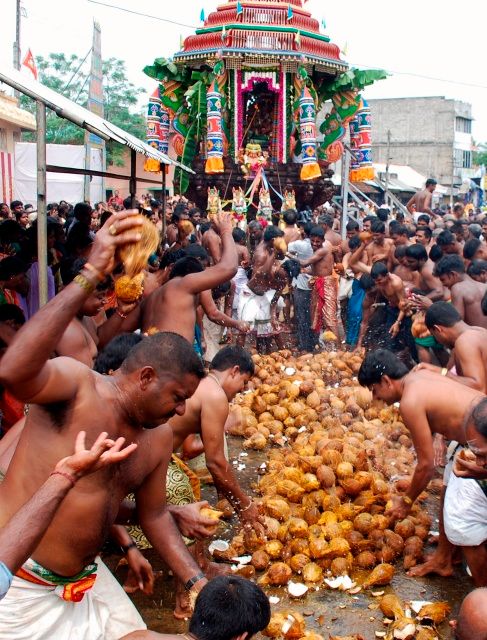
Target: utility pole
x,y
17,40
386,193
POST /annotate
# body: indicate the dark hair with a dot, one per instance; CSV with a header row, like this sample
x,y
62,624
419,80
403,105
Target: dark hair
x,y
352,225
318,232
475,229
185,266
354,243
366,282
254,224
400,251
430,182
443,314
228,607
378,226
448,264
16,203
483,304
290,216
170,257
435,253
233,356
477,267
478,417
383,214
271,232
326,220
458,206
128,202
426,230
307,228
424,217
110,358
470,248
221,290
445,238
197,251
416,252
370,218
11,312
399,230
81,210
238,235
378,269
166,352
380,363
11,266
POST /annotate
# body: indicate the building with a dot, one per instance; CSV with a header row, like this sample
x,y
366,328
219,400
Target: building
x,y
13,121
433,135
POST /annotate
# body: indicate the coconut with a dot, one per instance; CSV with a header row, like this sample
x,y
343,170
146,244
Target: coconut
x,y
312,572
260,560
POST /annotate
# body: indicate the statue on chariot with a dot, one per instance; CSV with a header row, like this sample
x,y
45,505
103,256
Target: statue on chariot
x,y
239,103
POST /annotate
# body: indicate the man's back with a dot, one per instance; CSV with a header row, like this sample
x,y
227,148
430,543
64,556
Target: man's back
x,y
170,308
467,298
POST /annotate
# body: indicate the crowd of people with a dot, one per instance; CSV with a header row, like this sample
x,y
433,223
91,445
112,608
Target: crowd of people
x,y
159,373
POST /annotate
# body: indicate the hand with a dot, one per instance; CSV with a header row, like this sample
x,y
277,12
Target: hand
x,y
421,302
439,448
190,521
399,509
243,327
125,308
194,591
251,519
223,222
426,366
142,570
379,257
125,224
394,330
466,467
103,453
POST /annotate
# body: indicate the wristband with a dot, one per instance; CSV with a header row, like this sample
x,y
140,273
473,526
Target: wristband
x,y
126,547
192,581
407,500
83,282
444,371
120,314
66,475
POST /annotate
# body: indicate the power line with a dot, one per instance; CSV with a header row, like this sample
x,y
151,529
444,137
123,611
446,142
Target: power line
x,y
144,15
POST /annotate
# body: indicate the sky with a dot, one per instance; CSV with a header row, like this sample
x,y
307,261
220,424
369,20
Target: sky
x,y
431,47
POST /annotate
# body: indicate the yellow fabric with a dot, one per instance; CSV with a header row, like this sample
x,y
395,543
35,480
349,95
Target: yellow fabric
x,y
214,165
193,478
359,175
153,165
310,171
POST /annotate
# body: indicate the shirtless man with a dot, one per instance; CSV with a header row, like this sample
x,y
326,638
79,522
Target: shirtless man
x,y
475,249
423,237
469,345
324,297
466,294
257,304
331,236
410,278
291,231
256,234
65,397
421,201
417,260
429,404
173,306
212,242
83,338
391,287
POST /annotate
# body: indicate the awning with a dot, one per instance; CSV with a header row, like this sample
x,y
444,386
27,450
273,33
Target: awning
x,y
10,112
80,116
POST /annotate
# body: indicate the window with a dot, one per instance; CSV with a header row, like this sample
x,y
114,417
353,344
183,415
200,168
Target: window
x,y
458,158
467,160
463,125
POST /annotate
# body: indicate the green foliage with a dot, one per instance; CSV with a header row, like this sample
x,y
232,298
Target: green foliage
x,y
68,76
480,156
351,79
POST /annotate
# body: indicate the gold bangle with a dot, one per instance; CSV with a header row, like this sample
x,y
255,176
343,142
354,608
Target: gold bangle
x,y
444,371
407,500
83,282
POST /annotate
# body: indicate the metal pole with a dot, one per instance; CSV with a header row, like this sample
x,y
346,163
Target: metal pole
x,y
345,188
163,202
133,176
41,203
386,193
17,41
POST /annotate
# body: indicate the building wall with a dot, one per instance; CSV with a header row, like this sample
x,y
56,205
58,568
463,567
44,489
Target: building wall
x,y
423,134
142,187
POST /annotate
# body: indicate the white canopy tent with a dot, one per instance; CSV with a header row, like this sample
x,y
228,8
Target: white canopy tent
x,y
64,108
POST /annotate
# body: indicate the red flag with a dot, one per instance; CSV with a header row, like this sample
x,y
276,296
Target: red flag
x,y
30,63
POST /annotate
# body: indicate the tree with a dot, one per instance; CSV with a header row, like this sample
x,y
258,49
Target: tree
x,y
69,76
480,156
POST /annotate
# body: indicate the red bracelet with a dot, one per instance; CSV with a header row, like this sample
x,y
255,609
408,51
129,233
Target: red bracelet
x,y
66,475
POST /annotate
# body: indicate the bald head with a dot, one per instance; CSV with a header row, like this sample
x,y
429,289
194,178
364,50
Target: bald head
x,y
472,618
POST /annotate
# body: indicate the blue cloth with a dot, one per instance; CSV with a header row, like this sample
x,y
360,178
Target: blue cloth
x,y
197,343
5,579
354,313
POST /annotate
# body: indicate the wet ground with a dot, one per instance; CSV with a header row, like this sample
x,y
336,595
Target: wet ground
x,y
326,611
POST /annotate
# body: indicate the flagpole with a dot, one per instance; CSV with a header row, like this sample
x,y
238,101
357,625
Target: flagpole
x,y
17,42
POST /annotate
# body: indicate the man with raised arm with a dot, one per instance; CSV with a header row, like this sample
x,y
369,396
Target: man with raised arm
x,y
173,306
73,589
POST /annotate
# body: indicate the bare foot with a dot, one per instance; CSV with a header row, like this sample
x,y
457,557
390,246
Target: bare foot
x,y
434,564
433,539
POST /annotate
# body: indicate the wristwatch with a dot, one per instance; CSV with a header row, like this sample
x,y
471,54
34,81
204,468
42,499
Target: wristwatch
x,y
192,581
